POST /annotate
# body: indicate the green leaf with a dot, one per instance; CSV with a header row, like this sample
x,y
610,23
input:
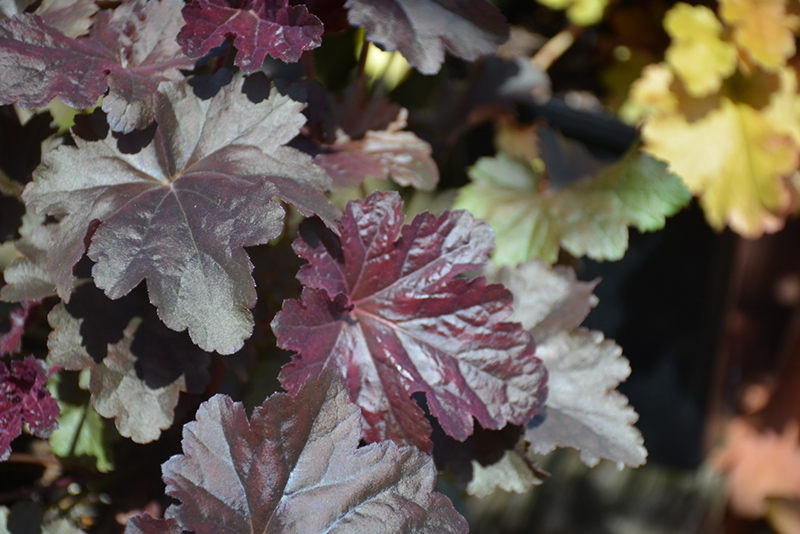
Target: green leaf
x,y
589,216
81,433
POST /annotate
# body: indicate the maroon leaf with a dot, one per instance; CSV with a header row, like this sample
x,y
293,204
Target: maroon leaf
x,y
391,315
11,340
25,399
296,466
421,29
180,211
137,366
259,27
129,51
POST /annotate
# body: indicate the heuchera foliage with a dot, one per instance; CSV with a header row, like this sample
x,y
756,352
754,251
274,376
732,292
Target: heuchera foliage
x,y
295,466
135,234
390,313
25,399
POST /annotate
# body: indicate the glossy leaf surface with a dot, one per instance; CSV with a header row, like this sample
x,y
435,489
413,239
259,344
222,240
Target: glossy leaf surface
x,y
259,27
392,316
295,467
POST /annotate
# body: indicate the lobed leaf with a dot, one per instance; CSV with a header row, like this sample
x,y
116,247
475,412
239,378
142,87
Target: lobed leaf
x,y
129,52
422,29
589,216
137,366
583,411
259,28
296,467
391,315
764,28
697,53
180,211
24,398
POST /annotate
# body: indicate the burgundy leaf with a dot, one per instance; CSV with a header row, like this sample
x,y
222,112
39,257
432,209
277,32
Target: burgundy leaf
x,y
296,466
11,341
24,398
259,27
421,29
391,315
381,154
137,366
180,211
129,52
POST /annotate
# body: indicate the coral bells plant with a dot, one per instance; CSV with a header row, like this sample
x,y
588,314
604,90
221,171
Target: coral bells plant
x,y
202,226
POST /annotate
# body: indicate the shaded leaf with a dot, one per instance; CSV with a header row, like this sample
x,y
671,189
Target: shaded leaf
x,y
421,30
25,399
295,466
531,218
697,53
381,154
180,211
129,52
137,366
584,411
259,28
391,315
81,434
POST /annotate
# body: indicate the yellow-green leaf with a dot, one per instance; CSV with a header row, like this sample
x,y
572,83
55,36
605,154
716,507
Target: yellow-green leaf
x,y
697,53
588,217
763,28
580,12
735,158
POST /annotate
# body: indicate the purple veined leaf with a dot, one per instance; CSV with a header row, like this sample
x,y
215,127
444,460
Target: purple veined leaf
x,y
391,315
137,366
181,210
295,467
129,51
24,398
422,29
259,28
11,340
584,410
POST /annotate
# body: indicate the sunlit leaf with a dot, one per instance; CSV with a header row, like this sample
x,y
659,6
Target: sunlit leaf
x,y
581,12
295,466
764,28
533,218
697,53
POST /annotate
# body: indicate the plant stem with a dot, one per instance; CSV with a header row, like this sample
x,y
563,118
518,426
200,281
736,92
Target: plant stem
x,y
362,62
555,47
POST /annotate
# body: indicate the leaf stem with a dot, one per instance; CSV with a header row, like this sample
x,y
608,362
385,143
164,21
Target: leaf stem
x,y
555,47
361,74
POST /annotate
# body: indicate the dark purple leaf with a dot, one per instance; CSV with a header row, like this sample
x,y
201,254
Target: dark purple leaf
x,y
331,13
422,29
129,52
24,398
296,466
259,28
180,211
11,340
138,367
392,316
